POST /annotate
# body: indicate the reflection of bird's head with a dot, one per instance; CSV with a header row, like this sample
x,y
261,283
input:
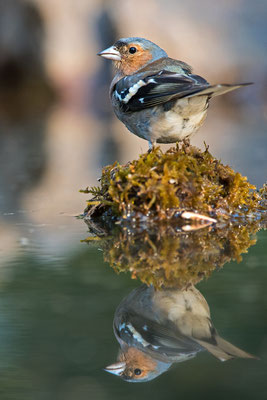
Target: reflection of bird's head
x,y
136,366
131,54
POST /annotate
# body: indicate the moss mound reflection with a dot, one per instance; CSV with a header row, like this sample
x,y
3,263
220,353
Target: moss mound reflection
x,y
158,184
166,257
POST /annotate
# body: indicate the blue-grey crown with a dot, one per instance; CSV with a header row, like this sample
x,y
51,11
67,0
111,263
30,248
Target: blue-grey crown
x,y
156,51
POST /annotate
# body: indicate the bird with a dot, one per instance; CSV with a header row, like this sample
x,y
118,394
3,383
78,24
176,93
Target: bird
x,y
158,98
156,328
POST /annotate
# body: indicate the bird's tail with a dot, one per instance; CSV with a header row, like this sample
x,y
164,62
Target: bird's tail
x,y
224,350
216,90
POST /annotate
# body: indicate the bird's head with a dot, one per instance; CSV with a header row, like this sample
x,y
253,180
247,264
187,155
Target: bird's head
x,y
131,54
136,366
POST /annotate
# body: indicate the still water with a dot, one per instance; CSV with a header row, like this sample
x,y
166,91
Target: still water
x,y
57,302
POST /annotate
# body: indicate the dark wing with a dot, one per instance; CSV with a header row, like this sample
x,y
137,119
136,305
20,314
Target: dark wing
x,y
135,93
141,332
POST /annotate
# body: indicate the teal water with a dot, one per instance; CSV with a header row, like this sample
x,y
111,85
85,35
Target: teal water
x,y
56,310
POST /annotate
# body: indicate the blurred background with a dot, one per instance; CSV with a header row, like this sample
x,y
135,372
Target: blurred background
x,y
57,128
57,131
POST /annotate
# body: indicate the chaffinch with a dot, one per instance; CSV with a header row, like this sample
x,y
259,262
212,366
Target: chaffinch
x,y
157,328
156,97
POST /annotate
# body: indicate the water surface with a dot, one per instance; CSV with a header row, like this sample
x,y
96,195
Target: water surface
x,y
57,301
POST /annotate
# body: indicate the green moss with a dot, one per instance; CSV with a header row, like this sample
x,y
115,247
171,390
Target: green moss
x,y
158,184
165,256
154,238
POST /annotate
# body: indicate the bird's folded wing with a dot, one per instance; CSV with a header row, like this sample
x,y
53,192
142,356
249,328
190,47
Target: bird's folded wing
x,y
135,92
149,333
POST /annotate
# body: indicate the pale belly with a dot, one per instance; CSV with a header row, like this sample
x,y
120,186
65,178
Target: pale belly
x,y
180,122
174,128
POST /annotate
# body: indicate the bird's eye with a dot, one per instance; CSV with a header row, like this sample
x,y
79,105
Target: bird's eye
x,y
132,50
137,371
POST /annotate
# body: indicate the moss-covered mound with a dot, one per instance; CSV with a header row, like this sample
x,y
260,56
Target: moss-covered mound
x,y
158,184
166,257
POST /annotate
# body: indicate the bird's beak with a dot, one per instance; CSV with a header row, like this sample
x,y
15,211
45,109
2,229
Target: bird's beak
x,y
116,369
111,53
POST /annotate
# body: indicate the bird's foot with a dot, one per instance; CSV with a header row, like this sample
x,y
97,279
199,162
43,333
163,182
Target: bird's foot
x,y
186,142
151,146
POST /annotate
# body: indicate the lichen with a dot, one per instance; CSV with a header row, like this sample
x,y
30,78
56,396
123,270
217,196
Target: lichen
x,y
158,184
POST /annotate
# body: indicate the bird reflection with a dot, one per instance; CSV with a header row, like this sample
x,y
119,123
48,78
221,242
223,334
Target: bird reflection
x,y
158,328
